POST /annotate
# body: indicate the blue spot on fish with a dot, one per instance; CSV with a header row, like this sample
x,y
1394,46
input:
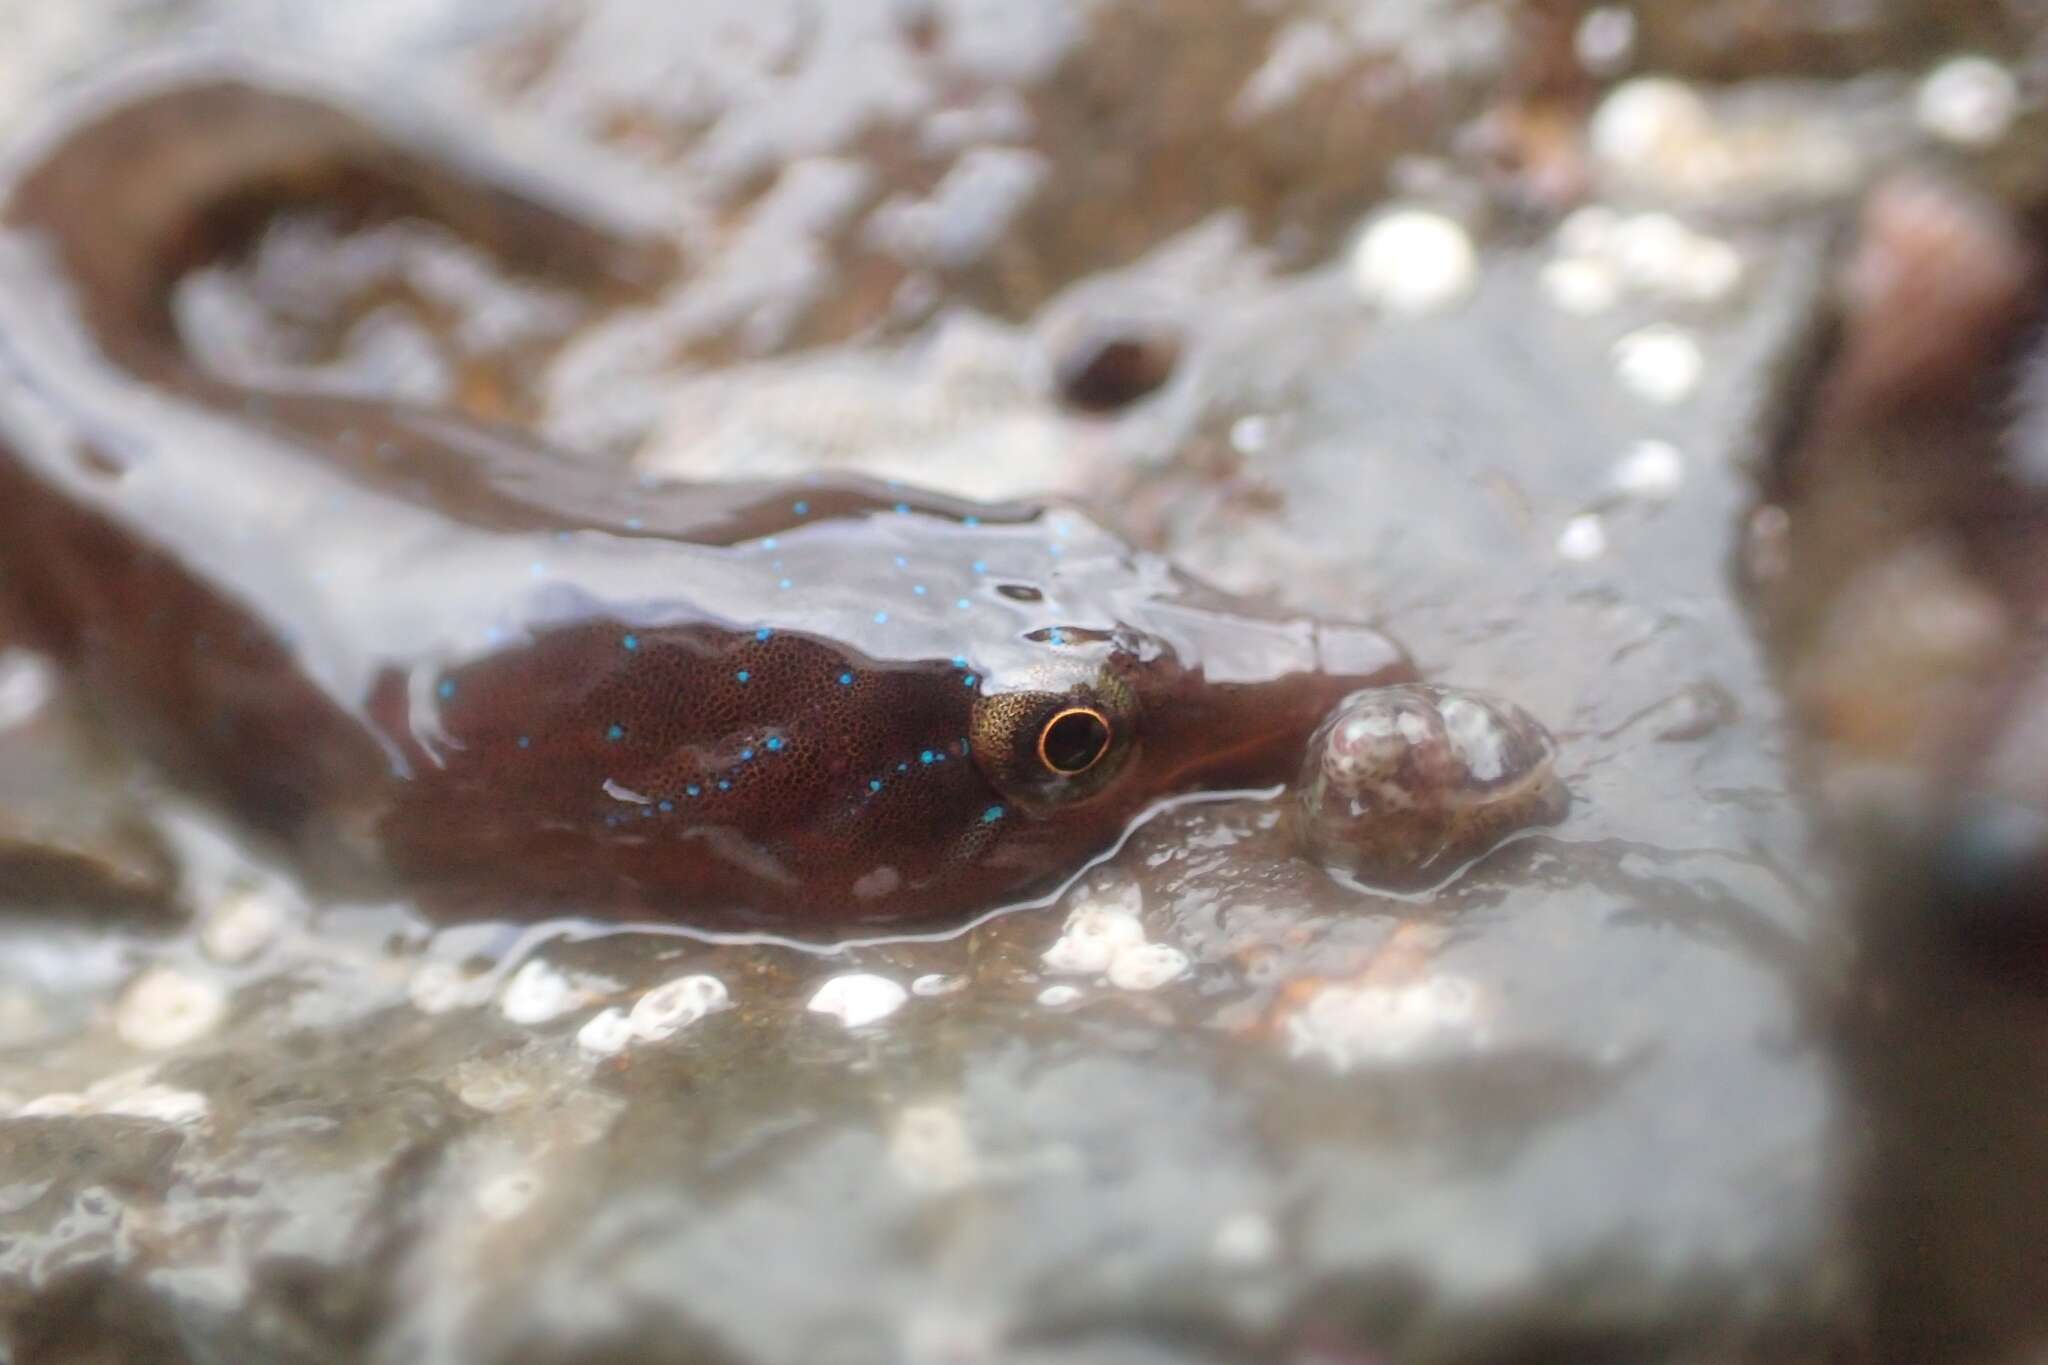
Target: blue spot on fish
x,y
784,585
615,733
846,679
968,681
919,589
802,509
743,675
724,785
874,784
963,604
925,757
769,543
446,689
693,790
991,815
525,742
901,562
667,806
631,643
902,509
881,618
774,745
763,633
970,521
981,566
746,755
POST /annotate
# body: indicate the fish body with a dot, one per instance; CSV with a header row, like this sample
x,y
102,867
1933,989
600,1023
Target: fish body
x,y
438,651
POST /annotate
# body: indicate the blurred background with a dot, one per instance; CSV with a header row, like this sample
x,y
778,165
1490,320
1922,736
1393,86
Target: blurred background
x,y
1662,367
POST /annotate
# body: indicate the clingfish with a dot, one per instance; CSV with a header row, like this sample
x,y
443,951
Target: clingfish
x,y
439,654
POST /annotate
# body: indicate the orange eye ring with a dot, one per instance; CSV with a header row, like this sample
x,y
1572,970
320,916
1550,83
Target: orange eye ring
x,y
1074,740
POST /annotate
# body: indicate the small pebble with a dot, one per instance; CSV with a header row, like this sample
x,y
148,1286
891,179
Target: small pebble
x,y
240,926
937,983
1251,435
1583,538
539,992
165,1008
675,1005
858,999
56,1105
1579,286
1146,966
1057,997
1651,469
1969,101
606,1033
1350,1026
1093,935
1647,121
1412,262
1660,362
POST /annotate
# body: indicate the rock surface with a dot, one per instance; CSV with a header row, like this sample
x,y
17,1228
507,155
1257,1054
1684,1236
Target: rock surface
x,y
1213,1105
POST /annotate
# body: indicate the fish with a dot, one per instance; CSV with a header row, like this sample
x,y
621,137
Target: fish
x,y
435,653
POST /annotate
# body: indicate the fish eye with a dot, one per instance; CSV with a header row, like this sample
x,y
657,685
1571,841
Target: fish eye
x,y
1074,740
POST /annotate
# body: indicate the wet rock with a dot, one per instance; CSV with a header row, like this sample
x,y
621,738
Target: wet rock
x,y
1213,1104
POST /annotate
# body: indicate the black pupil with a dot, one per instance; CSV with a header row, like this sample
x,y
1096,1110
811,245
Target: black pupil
x,y
1074,741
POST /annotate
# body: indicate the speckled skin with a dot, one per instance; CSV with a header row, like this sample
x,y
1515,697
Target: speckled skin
x,y
416,645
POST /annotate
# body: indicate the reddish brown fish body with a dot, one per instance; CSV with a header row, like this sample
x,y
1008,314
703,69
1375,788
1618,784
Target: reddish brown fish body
x,y
525,685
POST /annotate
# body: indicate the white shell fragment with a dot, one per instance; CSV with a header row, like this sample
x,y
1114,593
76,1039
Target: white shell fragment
x,y
1969,101
1412,261
538,992
1146,966
858,999
606,1033
1660,362
675,1005
240,926
165,1008
1094,933
1353,1026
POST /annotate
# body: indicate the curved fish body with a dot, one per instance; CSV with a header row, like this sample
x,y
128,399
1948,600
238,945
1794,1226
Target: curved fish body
x,y
517,683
